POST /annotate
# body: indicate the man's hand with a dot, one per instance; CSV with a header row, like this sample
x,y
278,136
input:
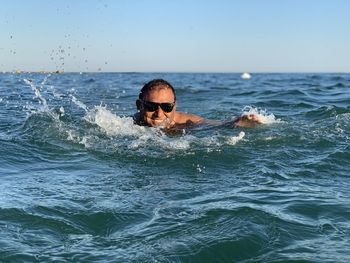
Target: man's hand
x,y
248,121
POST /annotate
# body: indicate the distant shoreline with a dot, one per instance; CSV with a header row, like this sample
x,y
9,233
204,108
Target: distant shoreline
x,y
155,72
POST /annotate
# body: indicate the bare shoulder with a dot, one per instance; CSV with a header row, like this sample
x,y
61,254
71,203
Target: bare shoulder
x,y
185,118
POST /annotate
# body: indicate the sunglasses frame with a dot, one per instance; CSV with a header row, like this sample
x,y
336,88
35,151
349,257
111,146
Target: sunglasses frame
x,y
153,106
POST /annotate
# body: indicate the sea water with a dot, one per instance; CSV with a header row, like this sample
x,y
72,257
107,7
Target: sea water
x,y
80,182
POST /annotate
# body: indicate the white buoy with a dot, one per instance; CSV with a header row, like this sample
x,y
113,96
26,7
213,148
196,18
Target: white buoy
x,y
246,75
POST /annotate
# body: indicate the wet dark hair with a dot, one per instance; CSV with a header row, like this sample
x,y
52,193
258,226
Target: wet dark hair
x,y
154,85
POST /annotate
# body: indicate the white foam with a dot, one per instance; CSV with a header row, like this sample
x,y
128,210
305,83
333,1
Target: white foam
x,y
61,110
161,141
144,137
343,116
234,139
342,124
112,124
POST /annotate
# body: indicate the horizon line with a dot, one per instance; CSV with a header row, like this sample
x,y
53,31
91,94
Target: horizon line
x,y
170,72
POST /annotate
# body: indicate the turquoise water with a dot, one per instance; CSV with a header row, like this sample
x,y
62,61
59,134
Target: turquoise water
x,y
79,182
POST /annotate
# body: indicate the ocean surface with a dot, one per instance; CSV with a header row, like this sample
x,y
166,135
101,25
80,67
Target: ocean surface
x,y
79,182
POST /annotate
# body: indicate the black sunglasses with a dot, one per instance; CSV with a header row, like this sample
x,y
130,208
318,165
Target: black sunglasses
x,y
153,106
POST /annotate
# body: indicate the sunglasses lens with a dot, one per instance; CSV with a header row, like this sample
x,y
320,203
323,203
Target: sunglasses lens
x,y
167,107
150,106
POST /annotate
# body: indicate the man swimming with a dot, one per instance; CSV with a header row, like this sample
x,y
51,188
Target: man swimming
x,y
156,107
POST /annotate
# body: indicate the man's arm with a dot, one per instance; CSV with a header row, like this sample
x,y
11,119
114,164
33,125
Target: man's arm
x,y
246,121
186,118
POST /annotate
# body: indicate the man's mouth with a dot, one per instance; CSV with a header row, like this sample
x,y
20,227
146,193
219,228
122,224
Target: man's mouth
x,y
160,122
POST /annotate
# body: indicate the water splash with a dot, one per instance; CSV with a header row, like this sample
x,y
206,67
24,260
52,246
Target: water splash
x,y
266,118
123,131
112,124
112,133
46,78
234,139
45,107
41,99
79,103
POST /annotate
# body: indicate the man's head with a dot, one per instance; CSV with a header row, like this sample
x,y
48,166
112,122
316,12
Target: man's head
x,y
157,103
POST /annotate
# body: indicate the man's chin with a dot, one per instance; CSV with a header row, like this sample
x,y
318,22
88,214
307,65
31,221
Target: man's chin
x,y
158,123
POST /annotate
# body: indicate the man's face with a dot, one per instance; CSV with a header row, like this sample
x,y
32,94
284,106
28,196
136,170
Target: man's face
x,y
158,117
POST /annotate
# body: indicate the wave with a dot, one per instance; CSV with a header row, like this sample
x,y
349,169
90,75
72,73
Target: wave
x,y
102,130
326,112
336,86
140,138
81,182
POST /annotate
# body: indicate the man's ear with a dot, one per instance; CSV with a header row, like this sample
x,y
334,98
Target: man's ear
x,y
138,104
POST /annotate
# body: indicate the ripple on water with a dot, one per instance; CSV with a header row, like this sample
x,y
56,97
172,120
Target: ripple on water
x,y
81,183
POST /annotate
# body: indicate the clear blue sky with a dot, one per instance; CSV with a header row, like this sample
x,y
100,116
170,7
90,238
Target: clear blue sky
x,y
176,35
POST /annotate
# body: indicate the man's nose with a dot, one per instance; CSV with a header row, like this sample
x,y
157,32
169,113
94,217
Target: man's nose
x,y
159,111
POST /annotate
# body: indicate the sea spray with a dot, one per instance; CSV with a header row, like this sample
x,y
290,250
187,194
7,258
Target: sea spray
x,y
122,133
116,126
78,103
112,124
266,118
234,139
44,105
124,128
58,127
41,99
